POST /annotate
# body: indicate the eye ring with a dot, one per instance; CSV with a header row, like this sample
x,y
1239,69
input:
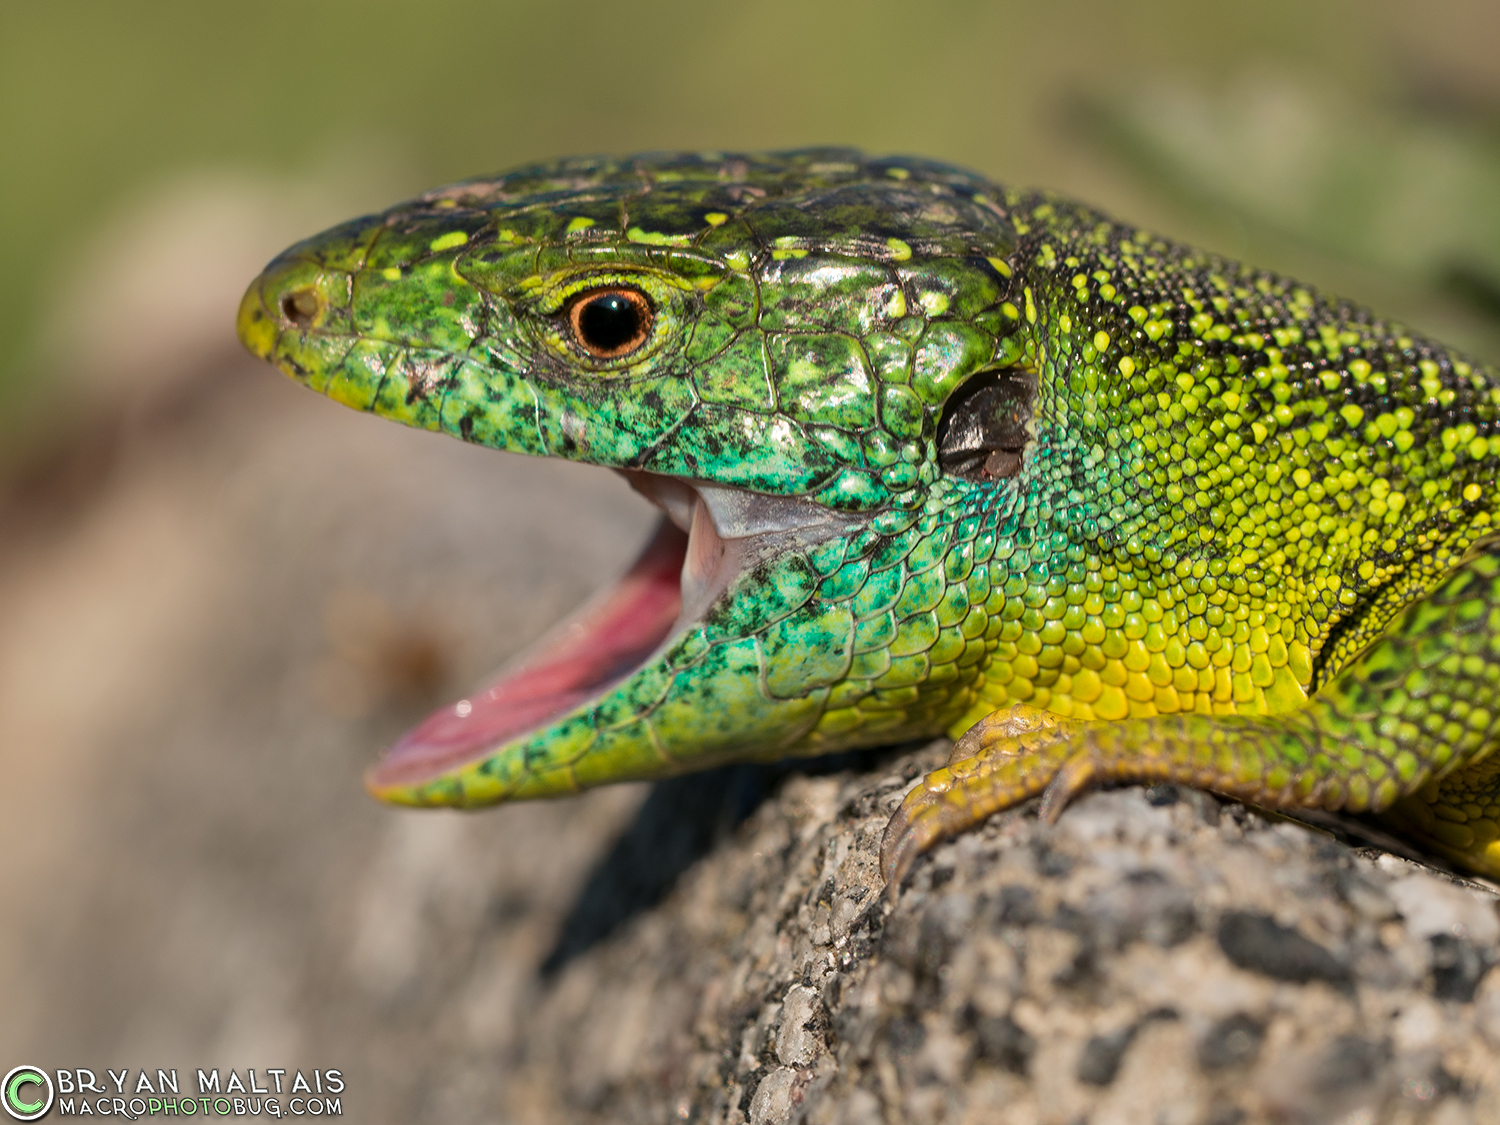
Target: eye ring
x,y
611,321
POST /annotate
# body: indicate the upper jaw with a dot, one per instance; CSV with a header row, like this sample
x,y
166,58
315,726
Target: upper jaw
x,y
736,512
730,530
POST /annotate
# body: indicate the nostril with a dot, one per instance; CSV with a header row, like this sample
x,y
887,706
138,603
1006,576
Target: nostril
x,y
301,307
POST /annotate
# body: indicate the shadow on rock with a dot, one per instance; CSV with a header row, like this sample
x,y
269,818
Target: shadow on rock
x,y
680,822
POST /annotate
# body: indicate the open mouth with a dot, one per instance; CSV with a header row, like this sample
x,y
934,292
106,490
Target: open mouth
x,y
709,536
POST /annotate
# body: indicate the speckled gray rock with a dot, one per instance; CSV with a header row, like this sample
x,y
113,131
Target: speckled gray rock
x,y
1157,956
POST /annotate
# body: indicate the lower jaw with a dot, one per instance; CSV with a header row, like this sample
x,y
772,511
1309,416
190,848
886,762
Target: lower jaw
x,y
625,630
597,646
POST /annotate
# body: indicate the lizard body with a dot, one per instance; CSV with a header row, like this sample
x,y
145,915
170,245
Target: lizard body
x,y
938,456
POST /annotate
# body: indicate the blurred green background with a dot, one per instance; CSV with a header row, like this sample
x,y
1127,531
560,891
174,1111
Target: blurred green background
x,y
1355,143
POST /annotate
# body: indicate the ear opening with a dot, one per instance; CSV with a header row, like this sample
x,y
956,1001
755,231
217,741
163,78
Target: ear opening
x,y
986,425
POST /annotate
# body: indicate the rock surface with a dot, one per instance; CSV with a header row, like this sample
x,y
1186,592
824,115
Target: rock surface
x,y
1157,956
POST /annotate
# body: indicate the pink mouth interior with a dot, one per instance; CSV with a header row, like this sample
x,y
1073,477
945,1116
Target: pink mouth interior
x,y
600,644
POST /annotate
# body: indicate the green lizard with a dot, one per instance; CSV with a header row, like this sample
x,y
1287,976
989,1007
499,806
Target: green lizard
x,y
938,455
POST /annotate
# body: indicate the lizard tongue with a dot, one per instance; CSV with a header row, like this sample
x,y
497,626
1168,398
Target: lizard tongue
x,y
600,643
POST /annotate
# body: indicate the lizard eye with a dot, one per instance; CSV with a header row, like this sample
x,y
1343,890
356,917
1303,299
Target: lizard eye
x,y
610,323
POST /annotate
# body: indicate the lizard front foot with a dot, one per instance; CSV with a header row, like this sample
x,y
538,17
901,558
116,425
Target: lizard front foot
x,y
1287,761
1006,758
1000,761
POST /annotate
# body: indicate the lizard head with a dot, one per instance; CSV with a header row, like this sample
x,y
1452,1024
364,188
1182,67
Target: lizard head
x,y
808,361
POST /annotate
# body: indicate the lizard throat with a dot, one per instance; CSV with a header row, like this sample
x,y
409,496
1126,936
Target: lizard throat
x,y
710,536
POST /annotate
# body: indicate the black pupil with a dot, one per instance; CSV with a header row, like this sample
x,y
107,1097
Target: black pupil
x,y
609,322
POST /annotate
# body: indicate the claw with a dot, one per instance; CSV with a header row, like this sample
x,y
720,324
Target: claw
x,y
1074,777
898,851
911,829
